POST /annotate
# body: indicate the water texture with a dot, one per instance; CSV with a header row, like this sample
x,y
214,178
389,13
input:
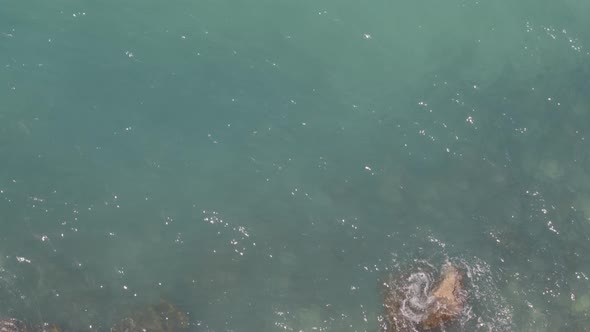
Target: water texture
x,y
265,165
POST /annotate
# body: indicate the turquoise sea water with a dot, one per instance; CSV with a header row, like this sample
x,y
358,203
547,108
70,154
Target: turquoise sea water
x,y
264,165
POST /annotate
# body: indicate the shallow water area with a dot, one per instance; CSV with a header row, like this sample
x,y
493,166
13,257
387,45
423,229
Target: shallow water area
x,y
266,166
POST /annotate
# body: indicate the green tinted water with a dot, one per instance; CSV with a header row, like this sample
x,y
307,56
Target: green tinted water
x,y
263,165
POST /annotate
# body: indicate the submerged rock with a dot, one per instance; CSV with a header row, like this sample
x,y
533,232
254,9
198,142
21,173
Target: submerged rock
x,y
47,328
416,302
13,325
163,317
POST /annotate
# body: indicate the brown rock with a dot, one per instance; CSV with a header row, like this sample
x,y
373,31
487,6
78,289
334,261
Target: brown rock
x,y
411,303
393,320
449,298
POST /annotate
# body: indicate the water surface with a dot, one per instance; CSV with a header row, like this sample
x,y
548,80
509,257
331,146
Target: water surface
x,y
264,165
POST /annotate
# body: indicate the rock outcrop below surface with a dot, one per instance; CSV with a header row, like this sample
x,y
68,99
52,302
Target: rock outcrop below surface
x,y
13,325
417,303
163,317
